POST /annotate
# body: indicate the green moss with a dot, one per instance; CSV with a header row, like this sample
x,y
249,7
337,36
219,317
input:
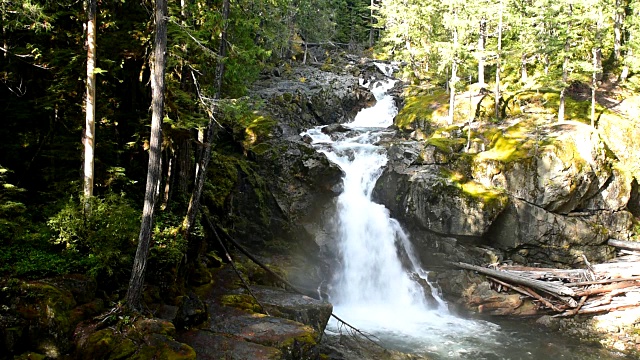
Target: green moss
x,y
100,344
457,184
513,144
124,350
242,302
165,351
30,356
445,145
419,108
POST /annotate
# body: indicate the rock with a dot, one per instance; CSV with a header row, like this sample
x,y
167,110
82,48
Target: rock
x,y
300,308
144,339
429,198
330,129
294,340
167,312
540,236
47,311
157,346
81,286
561,175
191,311
210,346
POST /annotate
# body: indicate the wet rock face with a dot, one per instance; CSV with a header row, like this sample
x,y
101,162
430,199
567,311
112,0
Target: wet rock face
x,y
237,328
542,194
429,198
567,171
305,96
300,308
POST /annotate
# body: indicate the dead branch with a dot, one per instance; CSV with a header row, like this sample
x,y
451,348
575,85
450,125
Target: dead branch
x,y
233,264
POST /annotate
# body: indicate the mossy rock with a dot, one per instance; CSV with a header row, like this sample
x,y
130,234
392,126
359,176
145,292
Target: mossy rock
x,y
47,309
161,347
30,356
422,109
100,345
242,302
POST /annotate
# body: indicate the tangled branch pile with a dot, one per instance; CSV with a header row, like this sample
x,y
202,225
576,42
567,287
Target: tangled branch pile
x,y
598,288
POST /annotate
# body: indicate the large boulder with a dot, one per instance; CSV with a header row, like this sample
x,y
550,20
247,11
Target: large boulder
x,y
567,169
567,197
296,307
434,198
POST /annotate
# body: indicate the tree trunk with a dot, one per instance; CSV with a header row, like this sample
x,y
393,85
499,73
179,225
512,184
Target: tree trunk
x,y
194,201
618,19
523,69
452,91
565,78
594,86
454,75
90,109
482,38
497,91
155,152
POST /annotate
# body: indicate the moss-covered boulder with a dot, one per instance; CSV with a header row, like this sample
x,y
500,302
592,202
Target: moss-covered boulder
x,y
47,312
296,307
568,195
210,346
559,167
436,199
142,339
294,340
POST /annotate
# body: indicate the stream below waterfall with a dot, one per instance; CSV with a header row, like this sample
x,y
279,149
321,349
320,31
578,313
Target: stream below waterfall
x,y
376,291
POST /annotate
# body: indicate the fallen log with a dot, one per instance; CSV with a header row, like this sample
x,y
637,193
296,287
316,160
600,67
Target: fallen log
x,y
527,292
604,281
631,245
557,290
576,310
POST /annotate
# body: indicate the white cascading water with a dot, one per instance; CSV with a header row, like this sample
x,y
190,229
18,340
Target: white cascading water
x,y
373,289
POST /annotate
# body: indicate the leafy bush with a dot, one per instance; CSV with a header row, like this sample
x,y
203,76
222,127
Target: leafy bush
x,y
169,245
11,210
105,237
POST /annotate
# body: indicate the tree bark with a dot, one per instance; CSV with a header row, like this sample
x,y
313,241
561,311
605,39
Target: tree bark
x,y
554,289
618,19
482,38
454,77
194,201
155,152
523,69
631,245
90,109
594,86
565,78
497,91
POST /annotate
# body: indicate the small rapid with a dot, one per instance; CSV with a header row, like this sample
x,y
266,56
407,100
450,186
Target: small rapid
x,y
381,287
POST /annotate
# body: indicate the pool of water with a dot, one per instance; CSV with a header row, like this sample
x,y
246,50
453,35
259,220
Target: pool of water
x,y
440,335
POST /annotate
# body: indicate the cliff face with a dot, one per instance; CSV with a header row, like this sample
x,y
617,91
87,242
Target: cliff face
x,y
542,193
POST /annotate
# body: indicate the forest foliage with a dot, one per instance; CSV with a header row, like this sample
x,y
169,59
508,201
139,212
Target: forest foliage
x,y
44,230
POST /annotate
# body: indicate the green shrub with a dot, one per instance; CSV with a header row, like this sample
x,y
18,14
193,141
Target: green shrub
x,y
104,238
169,244
11,209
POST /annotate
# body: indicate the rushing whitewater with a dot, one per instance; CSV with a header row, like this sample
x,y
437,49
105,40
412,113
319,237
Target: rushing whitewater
x,y
373,288
378,286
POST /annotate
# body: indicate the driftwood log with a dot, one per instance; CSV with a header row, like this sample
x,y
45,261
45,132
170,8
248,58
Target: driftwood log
x,y
599,288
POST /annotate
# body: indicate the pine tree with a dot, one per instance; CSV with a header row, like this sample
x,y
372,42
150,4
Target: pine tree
x,y
154,169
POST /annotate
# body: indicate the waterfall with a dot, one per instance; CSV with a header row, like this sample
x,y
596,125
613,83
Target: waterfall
x,y
379,286
372,273
373,288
